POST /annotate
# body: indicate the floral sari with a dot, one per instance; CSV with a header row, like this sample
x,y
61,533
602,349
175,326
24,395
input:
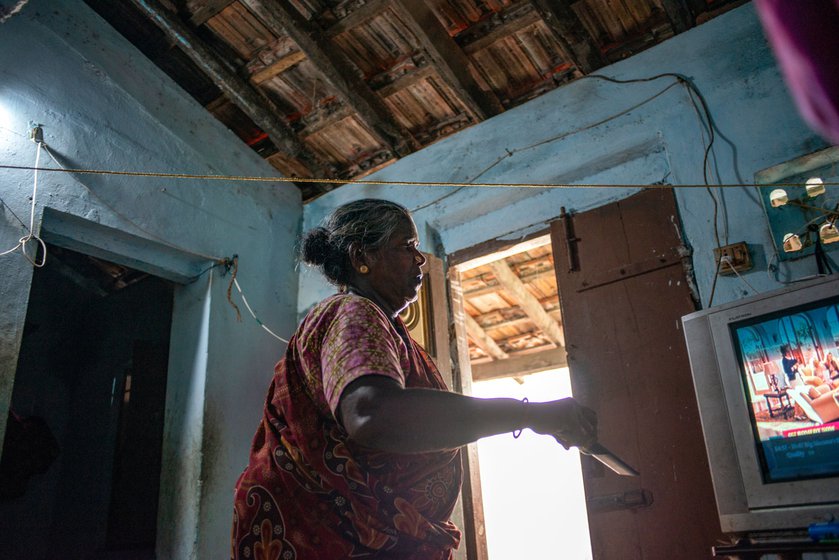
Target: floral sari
x,y
309,492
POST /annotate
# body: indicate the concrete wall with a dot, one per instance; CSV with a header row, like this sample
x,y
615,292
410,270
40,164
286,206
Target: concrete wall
x,y
595,132
104,106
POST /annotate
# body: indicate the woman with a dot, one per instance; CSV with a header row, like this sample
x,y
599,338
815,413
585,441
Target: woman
x,y
358,452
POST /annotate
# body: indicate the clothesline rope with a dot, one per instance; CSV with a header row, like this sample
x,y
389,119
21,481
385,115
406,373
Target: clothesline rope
x,y
240,178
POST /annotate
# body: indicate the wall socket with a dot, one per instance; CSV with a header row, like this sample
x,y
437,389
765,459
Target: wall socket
x,y
738,258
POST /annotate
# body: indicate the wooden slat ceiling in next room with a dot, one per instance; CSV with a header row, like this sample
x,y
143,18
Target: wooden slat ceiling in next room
x,y
341,88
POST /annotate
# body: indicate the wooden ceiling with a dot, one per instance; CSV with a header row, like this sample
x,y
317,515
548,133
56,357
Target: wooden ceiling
x,y
513,318
340,88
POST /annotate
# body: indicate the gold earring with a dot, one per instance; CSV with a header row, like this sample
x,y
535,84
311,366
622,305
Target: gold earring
x,y
363,269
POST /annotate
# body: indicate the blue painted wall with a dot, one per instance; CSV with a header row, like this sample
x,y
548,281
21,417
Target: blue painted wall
x,y
104,106
595,132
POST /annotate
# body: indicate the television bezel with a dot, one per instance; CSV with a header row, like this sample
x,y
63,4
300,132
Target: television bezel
x,y
744,500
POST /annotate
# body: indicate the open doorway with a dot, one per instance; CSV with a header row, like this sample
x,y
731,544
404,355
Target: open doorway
x,y
531,488
92,372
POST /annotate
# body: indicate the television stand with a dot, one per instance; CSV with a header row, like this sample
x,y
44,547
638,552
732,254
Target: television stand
x,y
746,549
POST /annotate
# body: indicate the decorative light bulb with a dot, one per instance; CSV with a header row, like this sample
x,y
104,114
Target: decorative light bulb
x,y
814,186
792,243
828,233
778,197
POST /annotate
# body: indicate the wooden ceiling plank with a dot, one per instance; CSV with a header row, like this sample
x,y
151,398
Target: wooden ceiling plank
x,y
278,67
405,81
336,69
482,339
318,125
528,245
357,17
451,63
513,323
491,288
679,13
203,11
531,362
504,30
528,302
259,109
571,34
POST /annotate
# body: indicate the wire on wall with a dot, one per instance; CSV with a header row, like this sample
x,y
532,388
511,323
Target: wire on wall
x,y
233,263
37,137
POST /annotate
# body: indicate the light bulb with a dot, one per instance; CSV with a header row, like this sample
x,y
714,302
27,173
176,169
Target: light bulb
x,y
814,187
828,233
778,197
792,243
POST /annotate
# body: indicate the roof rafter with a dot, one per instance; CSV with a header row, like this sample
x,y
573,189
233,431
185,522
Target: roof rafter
x,y
447,57
521,364
571,33
258,108
336,69
482,340
528,302
204,10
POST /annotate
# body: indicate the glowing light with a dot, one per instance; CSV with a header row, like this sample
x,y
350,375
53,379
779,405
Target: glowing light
x,y
778,197
828,233
792,243
814,186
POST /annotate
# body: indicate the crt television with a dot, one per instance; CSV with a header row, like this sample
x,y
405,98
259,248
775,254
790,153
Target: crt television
x,y
768,399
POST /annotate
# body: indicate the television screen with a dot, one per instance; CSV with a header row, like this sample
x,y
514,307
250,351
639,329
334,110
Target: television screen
x,y
789,363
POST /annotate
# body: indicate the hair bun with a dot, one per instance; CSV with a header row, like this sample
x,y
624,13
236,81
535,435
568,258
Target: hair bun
x,y
316,247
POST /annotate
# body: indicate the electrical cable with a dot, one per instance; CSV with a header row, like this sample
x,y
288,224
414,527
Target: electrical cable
x,y
510,153
232,265
23,241
727,260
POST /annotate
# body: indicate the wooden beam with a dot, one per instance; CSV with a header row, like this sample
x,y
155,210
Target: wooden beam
x,y
490,256
482,339
447,57
358,16
337,69
201,11
528,302
258,108
571,34
473,509
494,287
515,322
278,67
405,81
516,366
679,13
503,30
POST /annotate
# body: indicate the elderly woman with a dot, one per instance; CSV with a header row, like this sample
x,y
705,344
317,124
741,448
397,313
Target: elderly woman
x,y
358,451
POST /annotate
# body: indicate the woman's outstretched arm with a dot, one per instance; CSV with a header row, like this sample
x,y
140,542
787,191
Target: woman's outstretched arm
x,y
377,412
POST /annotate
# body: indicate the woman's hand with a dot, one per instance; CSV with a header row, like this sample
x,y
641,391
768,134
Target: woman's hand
x,y
571,423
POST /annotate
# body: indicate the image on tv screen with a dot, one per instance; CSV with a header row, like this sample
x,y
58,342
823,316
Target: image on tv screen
x,y
789,364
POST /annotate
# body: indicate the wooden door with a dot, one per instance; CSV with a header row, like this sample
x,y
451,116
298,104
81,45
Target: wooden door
x,y
623,290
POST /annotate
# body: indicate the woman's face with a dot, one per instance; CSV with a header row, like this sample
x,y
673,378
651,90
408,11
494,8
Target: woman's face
x,y
395,276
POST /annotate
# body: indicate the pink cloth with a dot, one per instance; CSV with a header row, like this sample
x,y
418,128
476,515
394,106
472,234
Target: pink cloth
x,y
309,492
805,37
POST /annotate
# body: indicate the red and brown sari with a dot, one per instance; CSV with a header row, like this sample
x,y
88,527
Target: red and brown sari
x,y
311,493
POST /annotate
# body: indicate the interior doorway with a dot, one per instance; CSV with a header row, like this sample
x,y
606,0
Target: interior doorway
x,y
92,370
531,488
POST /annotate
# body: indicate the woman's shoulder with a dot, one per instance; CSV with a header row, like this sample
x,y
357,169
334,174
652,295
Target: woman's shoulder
x,y
345,304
